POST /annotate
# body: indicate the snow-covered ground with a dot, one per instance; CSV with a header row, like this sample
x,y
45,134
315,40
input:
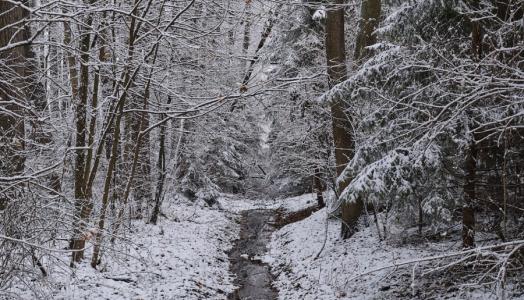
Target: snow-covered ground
x,y
336,272
288,205
295,204
183,257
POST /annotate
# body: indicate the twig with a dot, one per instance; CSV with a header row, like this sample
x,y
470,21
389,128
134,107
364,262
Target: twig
x,y
518,243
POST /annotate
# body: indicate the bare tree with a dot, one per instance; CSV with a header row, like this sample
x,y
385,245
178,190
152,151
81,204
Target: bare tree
x,y
14,52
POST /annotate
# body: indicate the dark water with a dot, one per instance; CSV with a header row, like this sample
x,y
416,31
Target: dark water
x,y
253,276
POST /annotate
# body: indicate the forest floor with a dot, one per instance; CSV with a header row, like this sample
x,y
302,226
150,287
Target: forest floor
x,y
244,249
364,267
183,257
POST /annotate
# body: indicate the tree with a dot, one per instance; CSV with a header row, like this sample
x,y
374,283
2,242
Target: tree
x,y
470,162
14,65
342,124
79,89
425,105
342,137
296,122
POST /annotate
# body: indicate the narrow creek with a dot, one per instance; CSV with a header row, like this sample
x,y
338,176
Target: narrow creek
x,y
253,277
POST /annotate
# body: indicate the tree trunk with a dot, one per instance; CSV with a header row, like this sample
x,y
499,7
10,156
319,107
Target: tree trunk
x,y
318,188
470,163
247,34
341,124
468,214
136,123
161,165
369,19
107,184
335,52
80,94
14,68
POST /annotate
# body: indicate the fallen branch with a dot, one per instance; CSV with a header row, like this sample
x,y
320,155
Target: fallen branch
x,y
518,243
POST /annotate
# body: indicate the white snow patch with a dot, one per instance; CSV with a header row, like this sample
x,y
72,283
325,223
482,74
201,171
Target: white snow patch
x,y
320,14
335,273
295,204
183,257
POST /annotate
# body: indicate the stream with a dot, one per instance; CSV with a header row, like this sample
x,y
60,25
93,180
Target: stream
x,y
253,277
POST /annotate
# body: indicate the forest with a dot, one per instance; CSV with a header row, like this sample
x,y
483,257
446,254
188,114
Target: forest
x,y
261,149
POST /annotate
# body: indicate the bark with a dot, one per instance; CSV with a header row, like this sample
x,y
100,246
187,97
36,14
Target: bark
x,y
14,69
247,32
94,105
335,53
115,143
468,213
341,124
318,188
136,123
80,95
470,163
369,18
107,184
161,165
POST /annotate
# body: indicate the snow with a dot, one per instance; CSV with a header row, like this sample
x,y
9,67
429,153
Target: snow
x,y
298,203
337,272
320,13
238,204
183,257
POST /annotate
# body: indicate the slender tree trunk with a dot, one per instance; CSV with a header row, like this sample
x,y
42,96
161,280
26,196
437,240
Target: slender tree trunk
x,y
318,188
470,163
107,184
161,165
80,95
135,124
128,80
247,34
266,32
468,213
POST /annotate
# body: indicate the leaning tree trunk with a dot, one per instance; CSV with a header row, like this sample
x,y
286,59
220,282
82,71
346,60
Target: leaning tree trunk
x,y
161,166
136,123
14,69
